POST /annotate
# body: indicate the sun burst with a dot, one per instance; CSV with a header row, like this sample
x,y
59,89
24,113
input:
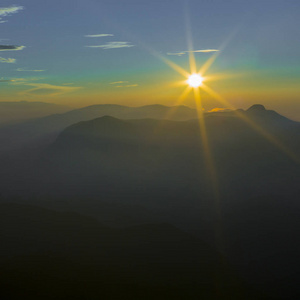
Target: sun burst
x,y
195,80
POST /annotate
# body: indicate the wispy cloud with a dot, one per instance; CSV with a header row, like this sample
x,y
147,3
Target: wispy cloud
x,y
113,45
204,51
99,35
176,53
45,89
5,80
118,82
11,48
219,109
127,86
6,11
193,51
7,60
123,84
20,81
24,70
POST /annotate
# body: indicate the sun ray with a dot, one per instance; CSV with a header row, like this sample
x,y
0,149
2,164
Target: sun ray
x,y
206,148
183,95
213,58
225,76
180,99
192,60
173,66
210,166
254,125
209,63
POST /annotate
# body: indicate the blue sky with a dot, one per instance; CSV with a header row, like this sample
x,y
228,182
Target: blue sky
x,y
57,66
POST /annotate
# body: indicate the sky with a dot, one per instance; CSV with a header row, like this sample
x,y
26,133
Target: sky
x,y
84,52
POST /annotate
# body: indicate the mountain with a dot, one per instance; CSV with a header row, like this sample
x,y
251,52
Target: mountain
x,y
244,202
17,112
45,130
48,254
161,165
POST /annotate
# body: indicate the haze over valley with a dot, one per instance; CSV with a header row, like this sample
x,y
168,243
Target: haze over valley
x,y
149,150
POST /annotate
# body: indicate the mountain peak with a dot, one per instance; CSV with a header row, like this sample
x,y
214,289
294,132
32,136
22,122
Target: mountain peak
x,y
256,107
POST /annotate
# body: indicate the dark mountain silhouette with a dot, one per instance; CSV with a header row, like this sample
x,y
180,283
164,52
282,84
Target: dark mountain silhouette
x,y
258,113
45,130
158,169
256,108
47,254
17,112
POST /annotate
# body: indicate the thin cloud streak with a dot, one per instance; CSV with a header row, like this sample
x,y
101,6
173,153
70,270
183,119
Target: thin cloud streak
x,y
11,48
7,11
123,84
24,70
192,51
99,35
127,86
219,109
176,53
46,89
112,45
20,81
7,60
118,82
204,51
5,80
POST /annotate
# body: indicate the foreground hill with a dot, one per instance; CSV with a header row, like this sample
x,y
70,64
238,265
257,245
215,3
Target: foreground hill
x,y
51,255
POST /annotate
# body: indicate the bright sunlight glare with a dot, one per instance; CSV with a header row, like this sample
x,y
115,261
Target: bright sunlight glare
x,y
195,80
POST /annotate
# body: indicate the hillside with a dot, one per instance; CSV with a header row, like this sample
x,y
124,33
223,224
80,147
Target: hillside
x,y
47,254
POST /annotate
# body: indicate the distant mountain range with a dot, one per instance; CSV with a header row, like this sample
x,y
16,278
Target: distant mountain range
x,y
17,112
44,130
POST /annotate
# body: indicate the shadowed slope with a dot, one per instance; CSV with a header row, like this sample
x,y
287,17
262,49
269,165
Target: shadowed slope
x,y
62,255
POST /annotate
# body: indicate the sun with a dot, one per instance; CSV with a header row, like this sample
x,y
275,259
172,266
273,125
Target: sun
x,y
195,80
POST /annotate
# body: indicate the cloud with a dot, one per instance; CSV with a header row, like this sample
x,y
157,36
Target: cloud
x,y
204,51
113,45
119,82
45,89
123,84
219,109
177,53
127,86
98,35
7,60
6,80
193,51
24,70
11,48
6,11
20,81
